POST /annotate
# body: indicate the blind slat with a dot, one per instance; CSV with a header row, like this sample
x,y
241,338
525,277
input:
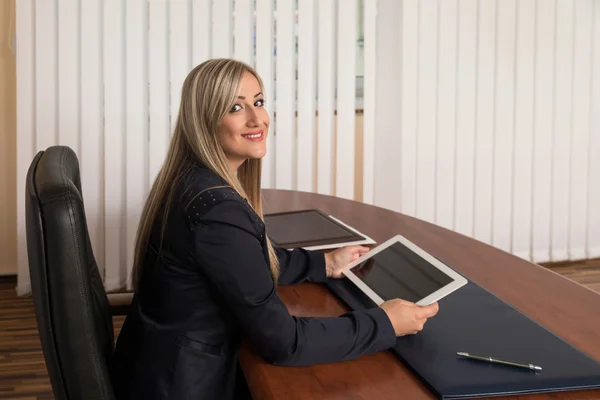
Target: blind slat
x,y
388,145
222,34
326,101
201,30
410,79
427,110
285,85
593,230
306,95
523,145
264,66
504,118
92,114
159,87
484,129
370,81
465,119
137,121
582,75
446,113
46,47
114,146
243,41
68,74
346,100
26,146
180,52
543,126
563,104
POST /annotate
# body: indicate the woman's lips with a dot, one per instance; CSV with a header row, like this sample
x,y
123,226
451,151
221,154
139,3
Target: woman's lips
x,y
254,136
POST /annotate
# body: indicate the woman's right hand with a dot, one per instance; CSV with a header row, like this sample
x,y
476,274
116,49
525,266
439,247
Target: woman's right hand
x,y
406,317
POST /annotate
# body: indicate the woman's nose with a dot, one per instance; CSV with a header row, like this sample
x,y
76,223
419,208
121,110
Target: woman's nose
x,y
252,117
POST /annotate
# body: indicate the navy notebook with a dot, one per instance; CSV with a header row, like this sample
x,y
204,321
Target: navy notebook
x,y
475,321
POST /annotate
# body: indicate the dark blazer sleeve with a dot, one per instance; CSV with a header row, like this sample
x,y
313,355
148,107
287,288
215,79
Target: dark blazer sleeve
x,y
228,250
299,265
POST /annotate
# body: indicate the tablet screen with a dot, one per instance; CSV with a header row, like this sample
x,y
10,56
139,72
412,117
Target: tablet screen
x,y
306,228
398,272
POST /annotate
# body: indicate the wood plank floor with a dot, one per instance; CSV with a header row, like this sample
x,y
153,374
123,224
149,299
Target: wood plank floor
x,y
585,272
23,373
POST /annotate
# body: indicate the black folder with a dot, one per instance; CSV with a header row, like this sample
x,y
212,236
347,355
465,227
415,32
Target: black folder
x,y
475,321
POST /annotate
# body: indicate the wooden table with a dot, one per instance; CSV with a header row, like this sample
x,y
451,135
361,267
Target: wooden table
x,y
565,307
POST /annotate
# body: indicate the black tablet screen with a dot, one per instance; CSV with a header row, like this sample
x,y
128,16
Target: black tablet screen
x,y
306,228
398,272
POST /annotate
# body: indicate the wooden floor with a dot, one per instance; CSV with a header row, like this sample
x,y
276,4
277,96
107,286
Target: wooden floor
x,y
586,272
23,372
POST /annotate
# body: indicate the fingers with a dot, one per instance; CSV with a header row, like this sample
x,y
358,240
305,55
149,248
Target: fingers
x,y
419,324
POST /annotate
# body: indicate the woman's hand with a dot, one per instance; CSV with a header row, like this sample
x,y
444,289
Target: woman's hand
x,y
407,317
337,260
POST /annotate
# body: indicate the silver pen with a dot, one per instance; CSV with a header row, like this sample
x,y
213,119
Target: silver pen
x,y
498,361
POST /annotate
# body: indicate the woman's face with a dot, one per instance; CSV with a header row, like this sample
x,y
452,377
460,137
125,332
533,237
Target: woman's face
x,y
243,131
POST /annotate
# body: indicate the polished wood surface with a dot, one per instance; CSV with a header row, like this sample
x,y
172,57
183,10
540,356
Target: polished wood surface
x,y
565,307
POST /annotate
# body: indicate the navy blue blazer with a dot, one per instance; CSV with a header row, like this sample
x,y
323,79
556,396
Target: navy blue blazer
x,y
207,287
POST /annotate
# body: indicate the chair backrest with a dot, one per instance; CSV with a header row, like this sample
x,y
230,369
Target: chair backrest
x,y
71,304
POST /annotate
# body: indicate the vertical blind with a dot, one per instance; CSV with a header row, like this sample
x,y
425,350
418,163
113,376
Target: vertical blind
x,y
482,116
104,77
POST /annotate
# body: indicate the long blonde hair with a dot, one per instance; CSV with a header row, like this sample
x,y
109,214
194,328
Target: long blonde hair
x,y
208,93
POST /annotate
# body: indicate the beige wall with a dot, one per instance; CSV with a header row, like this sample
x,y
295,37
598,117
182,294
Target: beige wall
x,y
8,144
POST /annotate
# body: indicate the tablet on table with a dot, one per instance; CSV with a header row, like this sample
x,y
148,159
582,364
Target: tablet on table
x,y
311,230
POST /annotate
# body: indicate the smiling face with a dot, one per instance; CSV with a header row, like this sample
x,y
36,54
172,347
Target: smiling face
x,y
243,131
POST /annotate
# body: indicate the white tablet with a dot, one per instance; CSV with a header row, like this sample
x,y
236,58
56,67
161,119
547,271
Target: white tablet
x,y
400,269
312,230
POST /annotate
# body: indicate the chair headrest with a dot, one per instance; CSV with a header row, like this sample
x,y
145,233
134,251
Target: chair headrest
x,y
57,174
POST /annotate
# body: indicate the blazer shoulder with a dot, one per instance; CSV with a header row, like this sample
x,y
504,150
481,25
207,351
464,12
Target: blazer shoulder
x,y
222,204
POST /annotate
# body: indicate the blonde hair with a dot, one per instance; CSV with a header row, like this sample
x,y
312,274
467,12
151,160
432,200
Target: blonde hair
x,y
208,93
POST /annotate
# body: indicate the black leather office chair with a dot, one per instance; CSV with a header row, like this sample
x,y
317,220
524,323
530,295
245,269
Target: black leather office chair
x,y
71,305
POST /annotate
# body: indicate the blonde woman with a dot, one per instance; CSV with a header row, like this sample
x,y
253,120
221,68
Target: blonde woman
x,y
205,272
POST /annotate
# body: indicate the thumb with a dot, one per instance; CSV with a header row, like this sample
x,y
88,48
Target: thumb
x,y
360,250
428,311
406,303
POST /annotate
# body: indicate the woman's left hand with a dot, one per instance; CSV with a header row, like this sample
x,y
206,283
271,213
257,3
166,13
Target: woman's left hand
x,y
336,261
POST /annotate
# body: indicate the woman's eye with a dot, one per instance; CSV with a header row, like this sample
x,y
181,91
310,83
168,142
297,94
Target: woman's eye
x,y
259,103
235,108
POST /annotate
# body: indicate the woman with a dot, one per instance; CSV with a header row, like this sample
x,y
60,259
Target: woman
x,y
205,271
